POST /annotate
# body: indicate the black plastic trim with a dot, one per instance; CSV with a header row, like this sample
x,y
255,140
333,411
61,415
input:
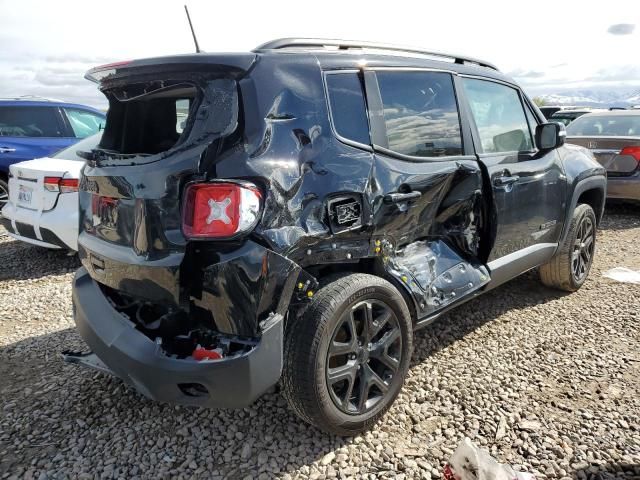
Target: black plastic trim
x,y
590,183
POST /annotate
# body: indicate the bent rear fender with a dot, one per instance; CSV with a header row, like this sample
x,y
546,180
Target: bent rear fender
x,y
239,289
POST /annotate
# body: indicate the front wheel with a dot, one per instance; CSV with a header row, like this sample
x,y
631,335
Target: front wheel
x,y
569,268
346,359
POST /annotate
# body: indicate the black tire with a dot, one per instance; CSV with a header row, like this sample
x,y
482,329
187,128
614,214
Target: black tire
x,y
4,194
570,266
345,305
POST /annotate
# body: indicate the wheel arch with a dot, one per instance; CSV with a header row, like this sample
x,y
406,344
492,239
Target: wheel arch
x,y
372,266
590,190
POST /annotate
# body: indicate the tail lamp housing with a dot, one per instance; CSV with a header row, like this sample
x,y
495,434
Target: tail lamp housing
x,y
220,210
633,151
60,184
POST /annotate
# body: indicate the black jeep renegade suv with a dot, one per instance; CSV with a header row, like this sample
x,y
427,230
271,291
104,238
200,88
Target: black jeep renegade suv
x,y
292,214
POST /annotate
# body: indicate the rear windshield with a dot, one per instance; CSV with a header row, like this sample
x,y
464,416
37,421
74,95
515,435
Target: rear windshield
x,y
71,153
145,119
605,126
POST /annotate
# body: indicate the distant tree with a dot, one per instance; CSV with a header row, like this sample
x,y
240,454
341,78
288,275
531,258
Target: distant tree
x,y
539,101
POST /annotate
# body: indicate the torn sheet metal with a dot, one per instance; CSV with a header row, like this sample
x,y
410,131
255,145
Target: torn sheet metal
x,y
434,274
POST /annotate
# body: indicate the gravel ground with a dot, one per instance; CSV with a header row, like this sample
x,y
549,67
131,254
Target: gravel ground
x,y
546,381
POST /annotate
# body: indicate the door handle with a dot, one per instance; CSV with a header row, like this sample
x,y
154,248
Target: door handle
x,y
7,150
400,197
505,180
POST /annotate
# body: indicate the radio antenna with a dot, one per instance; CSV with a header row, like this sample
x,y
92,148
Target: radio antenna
x,y
195,40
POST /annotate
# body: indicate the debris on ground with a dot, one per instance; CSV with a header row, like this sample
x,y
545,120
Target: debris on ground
x,y
623,274
469,462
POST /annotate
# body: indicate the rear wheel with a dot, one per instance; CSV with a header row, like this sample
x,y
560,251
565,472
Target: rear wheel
x,y
569,268
4,194
346,359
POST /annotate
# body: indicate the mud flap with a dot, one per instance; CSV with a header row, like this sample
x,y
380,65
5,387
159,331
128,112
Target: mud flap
x,y
433,274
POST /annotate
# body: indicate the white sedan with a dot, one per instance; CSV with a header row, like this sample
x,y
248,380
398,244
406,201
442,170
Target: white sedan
x,y
43,198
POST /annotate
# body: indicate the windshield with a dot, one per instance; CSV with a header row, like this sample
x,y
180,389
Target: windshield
x,y
86,144
563,120
605,126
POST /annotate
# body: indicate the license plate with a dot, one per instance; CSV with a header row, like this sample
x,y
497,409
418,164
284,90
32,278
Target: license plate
x,y
24,195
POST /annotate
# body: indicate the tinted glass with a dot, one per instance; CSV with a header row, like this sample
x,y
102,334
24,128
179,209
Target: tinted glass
x,y
84,123
29,122
348,109
85,145
606,126
499,116
421,113
563,120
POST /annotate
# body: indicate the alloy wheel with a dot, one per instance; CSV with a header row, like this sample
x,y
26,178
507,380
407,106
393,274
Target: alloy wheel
x,y
363,357
582,254
4,197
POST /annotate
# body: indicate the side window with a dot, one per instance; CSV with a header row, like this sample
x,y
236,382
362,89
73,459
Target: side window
x,y
348,110
499,116
420,113
29,122
84,123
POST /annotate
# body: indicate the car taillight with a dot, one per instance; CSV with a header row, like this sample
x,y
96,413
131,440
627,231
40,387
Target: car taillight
x,y
633,151
62,185
68,185
220,210
52,184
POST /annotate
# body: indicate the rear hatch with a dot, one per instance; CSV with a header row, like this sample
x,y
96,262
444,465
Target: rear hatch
x,y
27,183
165,115
611,154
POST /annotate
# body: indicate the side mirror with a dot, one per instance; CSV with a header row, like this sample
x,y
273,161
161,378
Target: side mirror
x,y
550,135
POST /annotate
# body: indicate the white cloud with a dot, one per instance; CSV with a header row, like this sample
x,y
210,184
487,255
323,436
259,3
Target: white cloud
x,y
48,46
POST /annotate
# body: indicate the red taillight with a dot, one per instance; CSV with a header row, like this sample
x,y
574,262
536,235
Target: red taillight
x,y
633,151
219,210
52,184
62,185
68,185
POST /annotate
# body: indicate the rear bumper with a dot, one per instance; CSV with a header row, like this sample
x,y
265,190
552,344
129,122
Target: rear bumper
x,y
57,228
624,188
140,362
26,233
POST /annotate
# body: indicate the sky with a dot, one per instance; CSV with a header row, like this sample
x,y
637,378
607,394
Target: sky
x,y
547,46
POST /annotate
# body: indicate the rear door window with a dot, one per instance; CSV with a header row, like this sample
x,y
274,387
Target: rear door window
x,y
348,110
420,113
499,116
84,123
30,122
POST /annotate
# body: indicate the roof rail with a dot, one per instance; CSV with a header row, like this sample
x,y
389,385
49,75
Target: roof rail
x,y
33,98
351,44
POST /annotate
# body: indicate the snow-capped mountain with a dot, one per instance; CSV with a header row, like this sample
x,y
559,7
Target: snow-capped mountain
x,y
593,97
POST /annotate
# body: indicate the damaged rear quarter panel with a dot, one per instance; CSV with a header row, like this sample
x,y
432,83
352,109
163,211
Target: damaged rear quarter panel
x,y
243,284
289,146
